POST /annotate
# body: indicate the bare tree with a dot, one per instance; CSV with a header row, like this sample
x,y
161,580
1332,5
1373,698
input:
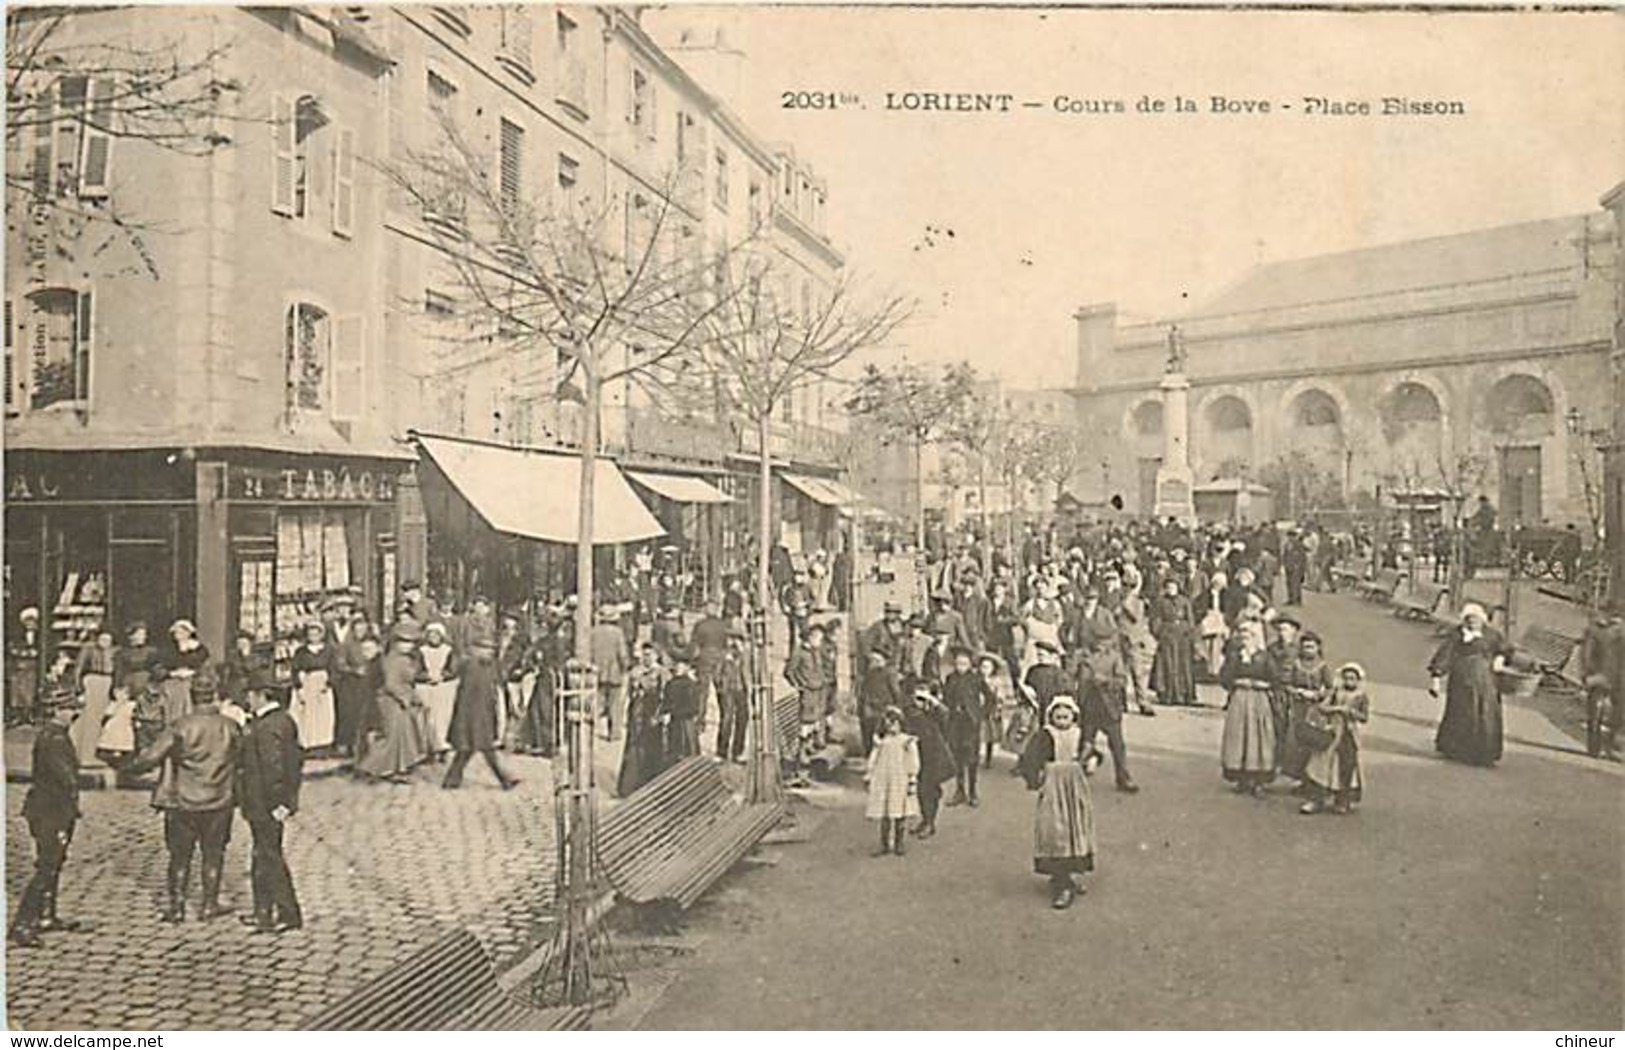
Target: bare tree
x,y
560,283
975,430
72,97
758,350
907,402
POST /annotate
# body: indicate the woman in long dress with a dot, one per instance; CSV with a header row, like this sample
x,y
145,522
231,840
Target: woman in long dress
x,y
644,756
1464,670
438,670
396,745
1064,821
185,658
93,671
1303,681
1173,667
1212,625
1247,752
311,705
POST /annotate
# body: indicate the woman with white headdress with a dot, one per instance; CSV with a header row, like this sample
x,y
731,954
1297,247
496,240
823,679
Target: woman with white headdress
x,y
1464,671
438,668
1247,752
311,705
1064,821
1212,625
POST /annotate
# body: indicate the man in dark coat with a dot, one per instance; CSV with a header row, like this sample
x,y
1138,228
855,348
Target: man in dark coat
x,y
196,793
1102,686
269,772
1295,566
51,809
885,636
977,612
474,712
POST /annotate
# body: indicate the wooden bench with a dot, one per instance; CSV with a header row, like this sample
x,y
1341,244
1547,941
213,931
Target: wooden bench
x,y
1347,575
1420,601
448,986
672,838
1382,586
1543,649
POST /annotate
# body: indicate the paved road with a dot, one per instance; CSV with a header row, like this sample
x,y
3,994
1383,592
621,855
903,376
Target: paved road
x,y
1455,898
380,871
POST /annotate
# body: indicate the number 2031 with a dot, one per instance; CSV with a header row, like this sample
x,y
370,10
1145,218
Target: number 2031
x,y
812,99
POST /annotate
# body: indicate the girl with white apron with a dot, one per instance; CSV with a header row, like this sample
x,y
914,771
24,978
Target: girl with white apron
x,y
94,670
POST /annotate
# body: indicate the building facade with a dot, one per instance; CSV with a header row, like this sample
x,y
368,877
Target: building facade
x,y
1459,362
198,420
215,357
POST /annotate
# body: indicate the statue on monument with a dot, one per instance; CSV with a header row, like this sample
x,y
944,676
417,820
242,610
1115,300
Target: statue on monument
x,y
1177,355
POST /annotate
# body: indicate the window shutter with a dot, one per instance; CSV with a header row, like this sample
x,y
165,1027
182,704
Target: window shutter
x,y
349,365
651,120
45,145
11,358
511,144
284,131
97,146
83,336
518,34
344,182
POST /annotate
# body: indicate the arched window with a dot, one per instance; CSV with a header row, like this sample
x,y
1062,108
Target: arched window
x,y
307,350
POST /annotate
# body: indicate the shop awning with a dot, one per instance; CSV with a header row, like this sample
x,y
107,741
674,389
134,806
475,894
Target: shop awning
x,y
533,494
816,489
680,488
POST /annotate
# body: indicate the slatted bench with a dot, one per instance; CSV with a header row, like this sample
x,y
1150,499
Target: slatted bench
x,y
1347,575
787,720
1381,587
1419,602
671,839
449,986
1544,649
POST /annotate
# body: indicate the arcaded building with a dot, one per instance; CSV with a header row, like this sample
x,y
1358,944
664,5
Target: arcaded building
x,y
1478,360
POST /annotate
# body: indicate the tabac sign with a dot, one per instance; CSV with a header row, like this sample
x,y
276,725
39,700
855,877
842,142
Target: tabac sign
x,y
314,483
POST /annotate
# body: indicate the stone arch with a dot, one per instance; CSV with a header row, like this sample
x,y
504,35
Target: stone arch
x,y
1226,428
1519,405
1314,421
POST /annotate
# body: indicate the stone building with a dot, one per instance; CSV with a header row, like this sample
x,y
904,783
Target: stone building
x,y
214,357
1456,360
199,420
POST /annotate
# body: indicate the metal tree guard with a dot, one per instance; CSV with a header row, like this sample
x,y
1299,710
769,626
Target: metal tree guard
x,y
580,969
763,783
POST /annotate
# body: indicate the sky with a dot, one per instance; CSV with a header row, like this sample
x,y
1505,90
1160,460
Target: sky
x,y
1158,212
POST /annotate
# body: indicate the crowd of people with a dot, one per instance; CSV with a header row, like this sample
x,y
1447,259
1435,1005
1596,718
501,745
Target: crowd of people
x,y
1044,653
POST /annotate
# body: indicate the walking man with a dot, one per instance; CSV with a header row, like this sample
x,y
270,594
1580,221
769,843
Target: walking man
x,y
474,714
51,809
1102,684
195,793
269,775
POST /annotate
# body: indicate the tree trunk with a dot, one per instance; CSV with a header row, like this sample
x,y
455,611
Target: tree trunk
x,y
919,494
763,782
987,521
584,520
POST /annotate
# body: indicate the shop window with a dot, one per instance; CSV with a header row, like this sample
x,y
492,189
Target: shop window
x,y
59,335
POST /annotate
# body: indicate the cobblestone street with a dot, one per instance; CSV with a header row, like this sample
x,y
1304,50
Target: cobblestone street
x,y
380,871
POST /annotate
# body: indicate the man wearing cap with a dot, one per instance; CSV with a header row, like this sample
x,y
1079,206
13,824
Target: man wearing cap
x,y
947,621
417,603
51,808
196,793
610,657
270,770
885,636
709,642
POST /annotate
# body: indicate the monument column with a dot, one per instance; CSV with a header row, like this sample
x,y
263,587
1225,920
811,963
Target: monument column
x,y
1175,478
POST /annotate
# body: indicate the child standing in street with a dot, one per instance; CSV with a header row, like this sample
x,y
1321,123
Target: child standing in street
x,y
1064,822
893,778
1334,773
925,719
